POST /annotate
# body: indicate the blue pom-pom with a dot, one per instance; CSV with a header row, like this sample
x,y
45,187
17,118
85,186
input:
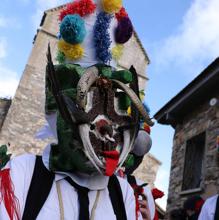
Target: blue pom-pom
x,y
59,36
72,29
102,40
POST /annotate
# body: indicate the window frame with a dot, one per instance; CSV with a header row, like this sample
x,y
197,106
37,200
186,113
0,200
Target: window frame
x,y
201,187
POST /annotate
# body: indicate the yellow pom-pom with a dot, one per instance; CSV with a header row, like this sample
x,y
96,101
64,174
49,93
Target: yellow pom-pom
x,y
71,51
117,51
111,6
63,46
129,111
76,52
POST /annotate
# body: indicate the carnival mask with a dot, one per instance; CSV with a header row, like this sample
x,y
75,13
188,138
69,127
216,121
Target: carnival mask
x,y
95,132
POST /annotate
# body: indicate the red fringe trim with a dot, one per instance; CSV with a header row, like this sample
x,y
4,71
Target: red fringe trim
x,y
81,7
156,215
138,190
7,195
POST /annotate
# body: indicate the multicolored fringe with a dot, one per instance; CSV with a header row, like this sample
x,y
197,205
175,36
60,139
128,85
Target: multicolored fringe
x,y
102,40
81,7
7,195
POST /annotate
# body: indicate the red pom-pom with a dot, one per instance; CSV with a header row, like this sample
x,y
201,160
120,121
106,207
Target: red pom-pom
x,y
147,128
157,194
121,14
81,7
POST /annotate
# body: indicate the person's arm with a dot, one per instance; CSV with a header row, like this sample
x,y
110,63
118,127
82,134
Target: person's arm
x,y
150,199
144,209
208,209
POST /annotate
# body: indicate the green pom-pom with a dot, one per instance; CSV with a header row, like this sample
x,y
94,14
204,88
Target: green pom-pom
x,y
4,157
106,71
60,57
124,76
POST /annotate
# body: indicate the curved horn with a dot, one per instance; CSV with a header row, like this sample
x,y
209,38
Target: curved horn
x,y
84,84
135,100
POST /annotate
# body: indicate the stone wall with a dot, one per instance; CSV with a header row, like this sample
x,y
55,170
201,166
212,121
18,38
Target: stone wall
x,y
204,119
147,171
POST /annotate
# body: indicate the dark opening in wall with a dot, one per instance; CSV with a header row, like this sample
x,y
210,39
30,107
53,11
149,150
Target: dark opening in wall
x,y
192,174
4,107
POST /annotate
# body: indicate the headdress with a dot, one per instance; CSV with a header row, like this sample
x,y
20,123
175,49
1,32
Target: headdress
x,y
87,94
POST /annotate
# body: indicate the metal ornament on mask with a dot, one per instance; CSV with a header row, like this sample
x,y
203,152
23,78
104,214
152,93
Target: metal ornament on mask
x,y
90,127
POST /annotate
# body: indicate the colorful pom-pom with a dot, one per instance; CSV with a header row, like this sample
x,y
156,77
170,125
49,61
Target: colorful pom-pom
x,y
147,128
124,31
71,51
111,6
142,95
102,40
117,51
81,7
60,57
59,36
72,29
121,14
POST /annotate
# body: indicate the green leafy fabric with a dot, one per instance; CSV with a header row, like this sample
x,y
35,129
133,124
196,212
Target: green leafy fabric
x,y
4,157
68,154
129,162
124,76
124,100
60,57
68,76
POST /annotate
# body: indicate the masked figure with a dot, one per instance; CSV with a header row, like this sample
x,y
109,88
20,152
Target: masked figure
x,y
87,100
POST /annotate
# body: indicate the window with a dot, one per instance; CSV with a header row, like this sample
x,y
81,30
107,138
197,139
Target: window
x,y
193,162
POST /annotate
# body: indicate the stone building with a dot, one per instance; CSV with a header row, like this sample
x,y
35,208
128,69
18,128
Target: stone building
x,y
194,114
148,169
26,114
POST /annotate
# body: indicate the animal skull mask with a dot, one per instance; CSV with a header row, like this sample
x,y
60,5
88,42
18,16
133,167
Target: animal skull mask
x,y
94,133
91,98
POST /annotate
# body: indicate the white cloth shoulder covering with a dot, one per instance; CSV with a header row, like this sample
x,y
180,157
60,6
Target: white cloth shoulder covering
x,y
208,209
21,173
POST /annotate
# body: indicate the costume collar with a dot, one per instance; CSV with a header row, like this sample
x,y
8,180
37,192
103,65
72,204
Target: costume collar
x,y
92,182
